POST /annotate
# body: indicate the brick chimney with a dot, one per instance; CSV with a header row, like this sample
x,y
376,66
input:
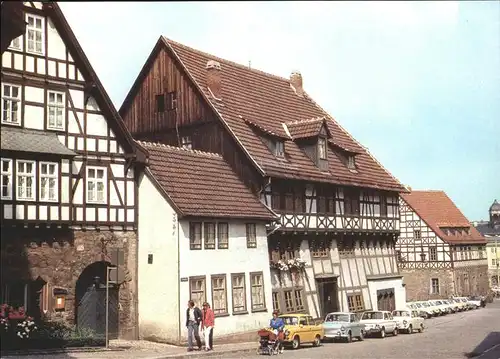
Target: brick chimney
x,y
296,83
214,78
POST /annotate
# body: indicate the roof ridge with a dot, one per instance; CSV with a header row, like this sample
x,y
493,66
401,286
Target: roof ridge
x,y
226,61
309,120
177,148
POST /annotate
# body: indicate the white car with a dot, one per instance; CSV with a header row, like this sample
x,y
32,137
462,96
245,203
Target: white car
x,y
426,310
443,308
408,321
474,301
379,322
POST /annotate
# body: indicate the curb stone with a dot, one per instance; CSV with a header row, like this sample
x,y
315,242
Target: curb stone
x,y
58,351
206,355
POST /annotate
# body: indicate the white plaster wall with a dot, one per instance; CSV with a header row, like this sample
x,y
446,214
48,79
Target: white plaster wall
x,y
236,259
158,282
399,291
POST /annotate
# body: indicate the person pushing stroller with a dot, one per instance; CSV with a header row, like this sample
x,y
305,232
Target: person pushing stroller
x,y
278,326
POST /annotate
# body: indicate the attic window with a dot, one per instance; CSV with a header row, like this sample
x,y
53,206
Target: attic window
x,y
322,148
351,163
279,149
186,142
160,103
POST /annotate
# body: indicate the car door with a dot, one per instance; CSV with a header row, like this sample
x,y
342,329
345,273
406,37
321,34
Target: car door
x,y
389,322
305,330
417,320
355,325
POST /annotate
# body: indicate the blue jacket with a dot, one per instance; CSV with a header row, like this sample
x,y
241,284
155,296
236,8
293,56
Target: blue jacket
x,y
277,323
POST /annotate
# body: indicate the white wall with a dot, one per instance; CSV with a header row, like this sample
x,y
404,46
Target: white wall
x,y
236,259
159,281
399,291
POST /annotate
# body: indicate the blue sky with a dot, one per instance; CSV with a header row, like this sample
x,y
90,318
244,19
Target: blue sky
x,y
418,83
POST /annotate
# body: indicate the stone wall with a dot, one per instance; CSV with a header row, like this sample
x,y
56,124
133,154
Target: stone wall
x,y
58,257
418,283
471,280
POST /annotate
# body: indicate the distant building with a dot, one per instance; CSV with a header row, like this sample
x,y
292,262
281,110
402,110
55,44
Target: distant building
x,y
491,230
439,253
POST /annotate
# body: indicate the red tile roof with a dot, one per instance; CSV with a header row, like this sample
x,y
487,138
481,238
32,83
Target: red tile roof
x,y
202,184
250,96
437,210
305,128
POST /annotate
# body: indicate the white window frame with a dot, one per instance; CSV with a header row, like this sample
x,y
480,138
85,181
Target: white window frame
x,y
279,148
322,148
35,29
26,175
186,142
351,162
438,286
12,100
96,180
8,174
56,105
54,176
19,43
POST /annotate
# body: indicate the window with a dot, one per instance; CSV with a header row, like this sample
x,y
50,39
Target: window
x,y
186,142
26,180
320,248
351,163
11,100
276,301
239,293
209,235
219,295
223,235
355,302
56,111
171,101
293,300
257,283
322,148
35,34
279,150
197,290
494,262
48,181
6,178
96,184
16,43
434,286
195,235
433,253
160,103
417,234
251,236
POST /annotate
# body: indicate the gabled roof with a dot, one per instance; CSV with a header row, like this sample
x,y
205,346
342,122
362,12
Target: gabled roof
x,y
306,128
100,94
438,211
202,184
251,98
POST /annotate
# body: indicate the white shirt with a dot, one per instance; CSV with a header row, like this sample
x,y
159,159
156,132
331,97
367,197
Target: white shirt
x,y
191,315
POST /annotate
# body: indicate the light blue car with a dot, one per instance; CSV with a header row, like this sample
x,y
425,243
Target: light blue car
x,y
343,326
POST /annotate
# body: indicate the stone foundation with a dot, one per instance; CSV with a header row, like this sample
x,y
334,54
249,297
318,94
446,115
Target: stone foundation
x,y
56,258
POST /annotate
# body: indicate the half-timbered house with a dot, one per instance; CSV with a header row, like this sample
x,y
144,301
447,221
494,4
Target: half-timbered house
x,y
205,232
68,181
439,253
338,206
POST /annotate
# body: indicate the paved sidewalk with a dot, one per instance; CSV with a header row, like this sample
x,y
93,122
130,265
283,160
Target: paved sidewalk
x,y
141,349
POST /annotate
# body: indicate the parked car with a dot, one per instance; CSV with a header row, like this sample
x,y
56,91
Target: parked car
x,y
451,304
443,308
430,305
461,304
343,326
300,329
425,310
379,323
475,301
408,321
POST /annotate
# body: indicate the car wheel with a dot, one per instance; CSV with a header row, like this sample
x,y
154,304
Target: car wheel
x,y
317,341
421,329
361,336
410,329
382,333
296,342
349,337
395,332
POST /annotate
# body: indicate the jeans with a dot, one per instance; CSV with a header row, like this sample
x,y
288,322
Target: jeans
x,y
208,334
193,330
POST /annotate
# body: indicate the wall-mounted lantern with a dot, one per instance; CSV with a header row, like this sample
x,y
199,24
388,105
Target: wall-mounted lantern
x,y
60,299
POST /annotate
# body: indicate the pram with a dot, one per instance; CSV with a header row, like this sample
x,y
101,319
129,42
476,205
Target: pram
x,y
269,342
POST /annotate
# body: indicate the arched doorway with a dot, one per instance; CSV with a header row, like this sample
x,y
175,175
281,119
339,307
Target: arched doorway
x,y
90,301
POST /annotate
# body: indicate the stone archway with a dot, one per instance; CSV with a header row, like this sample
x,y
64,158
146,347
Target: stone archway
x,y
90,301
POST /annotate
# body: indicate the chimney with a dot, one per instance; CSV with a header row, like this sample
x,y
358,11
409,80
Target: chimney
x,y
214,78
296,83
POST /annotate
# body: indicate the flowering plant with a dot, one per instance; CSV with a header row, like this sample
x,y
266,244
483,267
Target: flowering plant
x,y
25,327
4,324
291,264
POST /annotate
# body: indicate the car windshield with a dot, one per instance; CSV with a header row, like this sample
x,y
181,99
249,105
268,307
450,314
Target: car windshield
x,y
425,305
474,297
335,317
401,313
290,320
373,315
438,302
464,300
418,305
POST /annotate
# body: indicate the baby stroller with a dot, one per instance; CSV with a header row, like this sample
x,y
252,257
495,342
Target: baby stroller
x,y
269,342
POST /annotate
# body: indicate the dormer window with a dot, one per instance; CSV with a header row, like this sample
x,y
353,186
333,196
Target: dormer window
x,y
351,163
186,142
322,148
279,149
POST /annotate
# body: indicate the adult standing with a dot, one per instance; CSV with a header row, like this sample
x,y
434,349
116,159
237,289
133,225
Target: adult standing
x,y
193,320
208,326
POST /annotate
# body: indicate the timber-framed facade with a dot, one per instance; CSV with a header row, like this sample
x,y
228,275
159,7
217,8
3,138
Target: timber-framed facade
x,y
338,206
69,180
439,253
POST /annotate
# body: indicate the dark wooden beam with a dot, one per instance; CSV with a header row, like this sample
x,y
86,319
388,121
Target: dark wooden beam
x,y
12,20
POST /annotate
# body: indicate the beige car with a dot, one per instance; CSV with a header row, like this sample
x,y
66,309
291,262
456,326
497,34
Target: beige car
x,y
408,321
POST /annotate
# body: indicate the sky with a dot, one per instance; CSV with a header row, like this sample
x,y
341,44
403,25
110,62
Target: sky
x,y
417,83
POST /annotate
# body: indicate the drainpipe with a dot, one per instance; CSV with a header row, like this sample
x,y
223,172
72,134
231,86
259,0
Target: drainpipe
x,y
179,278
